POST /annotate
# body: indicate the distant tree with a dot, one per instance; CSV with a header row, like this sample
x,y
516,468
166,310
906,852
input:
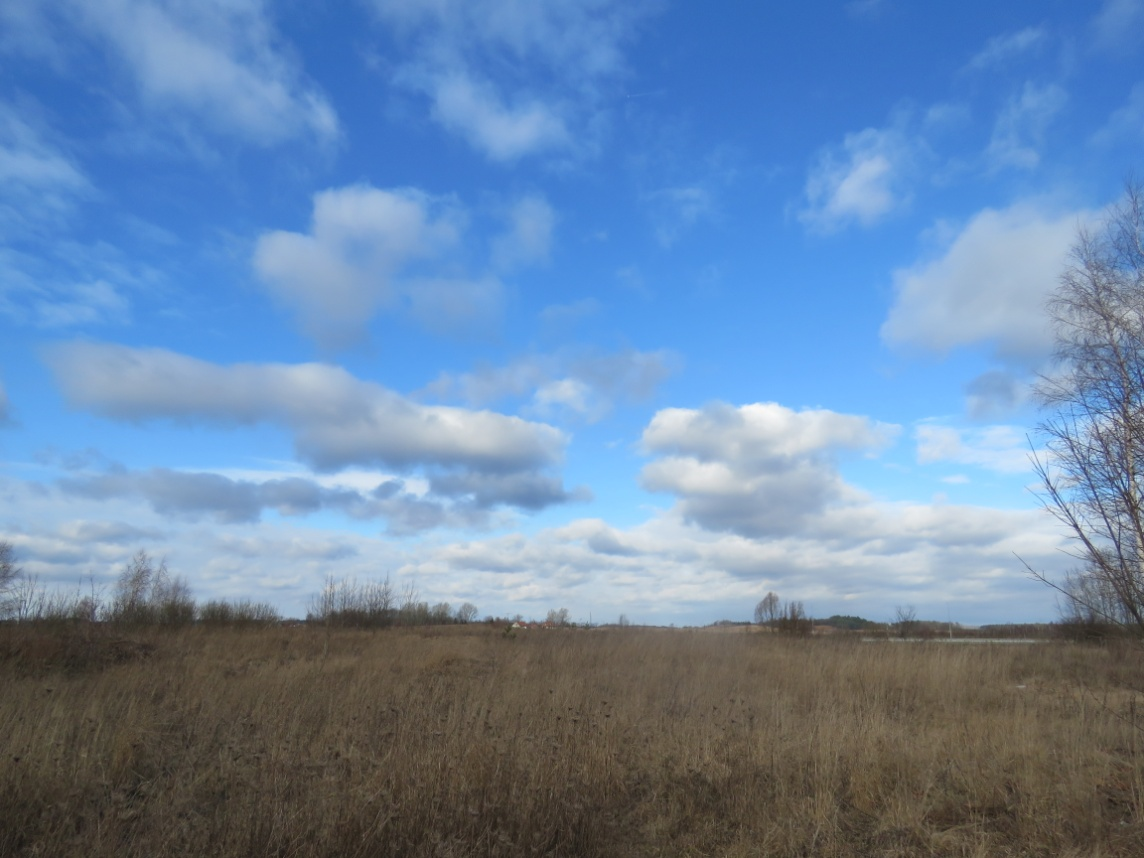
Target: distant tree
x,y
412,611
559,617
906,621
147,593
767,611
848,623
10,575
623,622
240,613
467,613
792,620
130,602
175,606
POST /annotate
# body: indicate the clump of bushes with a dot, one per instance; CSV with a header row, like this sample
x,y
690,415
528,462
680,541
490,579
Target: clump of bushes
x,y
243,612
349,603
793,621
786,619
147,594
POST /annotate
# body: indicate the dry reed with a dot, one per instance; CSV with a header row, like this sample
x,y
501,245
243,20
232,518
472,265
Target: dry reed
x,y
306,742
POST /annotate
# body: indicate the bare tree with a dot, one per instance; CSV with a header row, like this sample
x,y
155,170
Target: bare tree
x,y
1093,473
10,575
131,603
906,621
792,620
147,593
348,602
466,613
560,617
767,611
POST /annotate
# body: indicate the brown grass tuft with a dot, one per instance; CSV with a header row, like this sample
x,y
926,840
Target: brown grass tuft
x,y
299,742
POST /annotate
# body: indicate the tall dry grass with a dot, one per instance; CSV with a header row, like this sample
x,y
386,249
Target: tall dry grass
x,y
304,742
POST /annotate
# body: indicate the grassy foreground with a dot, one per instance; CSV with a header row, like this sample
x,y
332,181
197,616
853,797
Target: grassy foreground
x,y
462,741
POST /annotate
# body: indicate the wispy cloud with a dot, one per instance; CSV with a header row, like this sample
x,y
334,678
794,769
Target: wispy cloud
x,y
866,8
471,56
580,384
555,315
75,285
1126,124
1119,25
1001,50
675,210
862,181
528,238
1004,449
1020,132
504,132
212,64
40,183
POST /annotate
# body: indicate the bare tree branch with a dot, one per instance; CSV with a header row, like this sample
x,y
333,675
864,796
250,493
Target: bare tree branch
x,y
1093,475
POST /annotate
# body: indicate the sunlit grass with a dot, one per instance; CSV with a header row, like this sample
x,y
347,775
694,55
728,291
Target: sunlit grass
x,y
620,742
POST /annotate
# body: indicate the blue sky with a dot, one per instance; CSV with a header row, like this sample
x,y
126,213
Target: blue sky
x,y
625,307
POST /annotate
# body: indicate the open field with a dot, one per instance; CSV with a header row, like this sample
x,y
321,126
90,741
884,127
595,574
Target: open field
x,y
463,741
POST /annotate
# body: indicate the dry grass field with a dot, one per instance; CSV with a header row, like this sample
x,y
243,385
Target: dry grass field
x,y
463,741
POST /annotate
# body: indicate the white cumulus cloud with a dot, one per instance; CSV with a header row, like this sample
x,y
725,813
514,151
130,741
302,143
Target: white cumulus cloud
x,y
988,287
756,470
340,273
368,250
336,420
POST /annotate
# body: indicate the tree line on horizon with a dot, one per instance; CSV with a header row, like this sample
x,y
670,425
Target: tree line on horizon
x,y
147,594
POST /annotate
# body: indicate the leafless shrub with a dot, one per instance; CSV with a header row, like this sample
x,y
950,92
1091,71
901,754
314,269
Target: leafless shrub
x,y
29,601
906,623
242,612
793,621
147,594
348,602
